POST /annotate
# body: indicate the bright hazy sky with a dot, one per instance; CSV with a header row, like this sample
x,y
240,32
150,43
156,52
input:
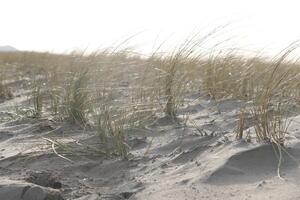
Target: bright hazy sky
x,y
61,25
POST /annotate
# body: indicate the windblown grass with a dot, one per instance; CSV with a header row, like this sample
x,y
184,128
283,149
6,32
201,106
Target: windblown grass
x,y
116,90
77,98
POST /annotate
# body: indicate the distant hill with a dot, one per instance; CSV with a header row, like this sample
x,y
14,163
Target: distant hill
x,y
7,49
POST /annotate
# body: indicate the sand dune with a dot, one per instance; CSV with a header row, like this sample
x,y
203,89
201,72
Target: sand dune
x,y
169,162
55,145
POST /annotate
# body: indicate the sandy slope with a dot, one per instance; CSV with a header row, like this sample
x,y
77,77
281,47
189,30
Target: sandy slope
x,y
169,160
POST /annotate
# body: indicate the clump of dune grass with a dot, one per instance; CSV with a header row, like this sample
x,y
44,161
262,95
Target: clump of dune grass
x,y
5,92
111,133
77,98
37,102
270,119
171,91
55,101
227,75
270,127
178,69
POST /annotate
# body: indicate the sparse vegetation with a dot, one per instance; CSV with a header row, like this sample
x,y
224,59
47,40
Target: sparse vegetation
x,y
111,134
77,98
5,93
37,101
114,91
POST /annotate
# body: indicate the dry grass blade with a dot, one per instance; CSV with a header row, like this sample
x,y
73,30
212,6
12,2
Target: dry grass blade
x,y
54,150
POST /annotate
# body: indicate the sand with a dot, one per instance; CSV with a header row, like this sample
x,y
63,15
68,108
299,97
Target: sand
x,y
168,160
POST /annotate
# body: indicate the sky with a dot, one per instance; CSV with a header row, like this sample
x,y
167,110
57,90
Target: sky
x,y
63,25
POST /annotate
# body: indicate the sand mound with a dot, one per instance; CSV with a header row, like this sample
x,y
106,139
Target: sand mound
x,y
251,165
17,190
44,178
